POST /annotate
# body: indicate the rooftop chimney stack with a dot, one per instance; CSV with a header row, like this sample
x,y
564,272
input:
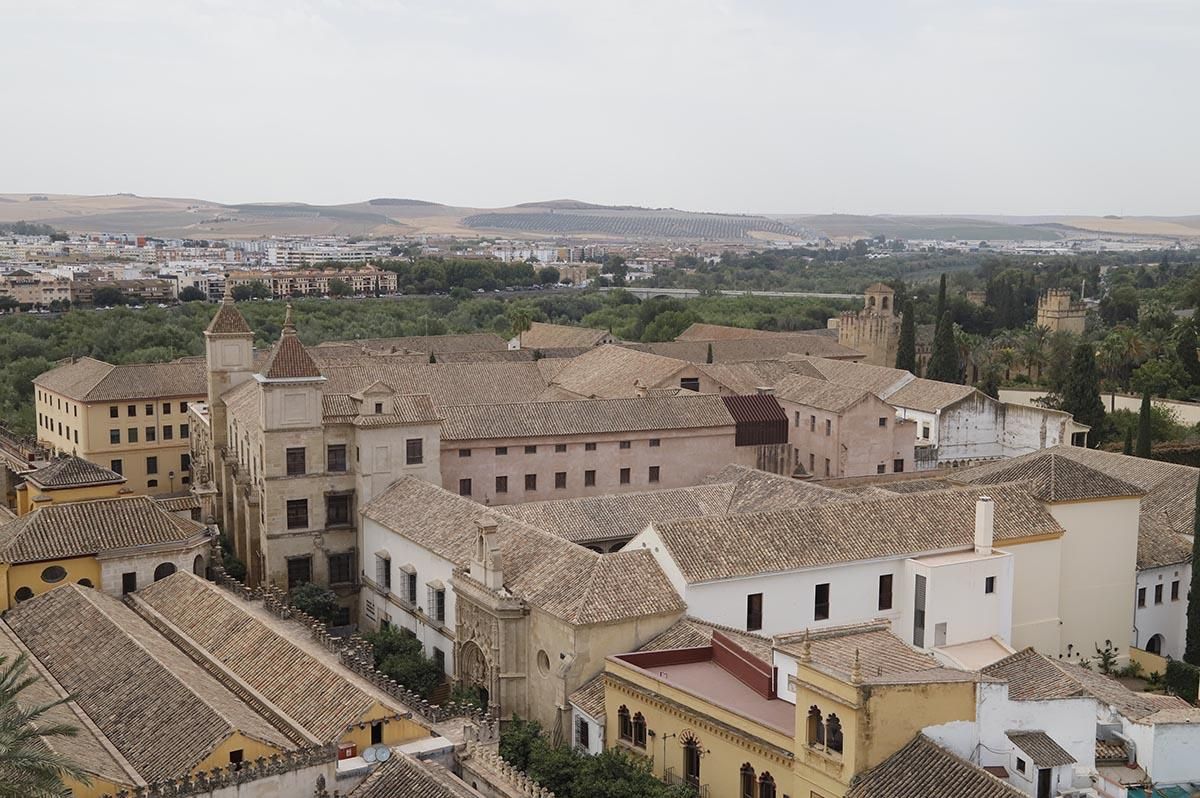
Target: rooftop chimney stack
x,y
985,524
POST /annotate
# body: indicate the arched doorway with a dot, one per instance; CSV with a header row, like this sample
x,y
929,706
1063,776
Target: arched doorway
x,y
473,671
198,565
164,570
1155,645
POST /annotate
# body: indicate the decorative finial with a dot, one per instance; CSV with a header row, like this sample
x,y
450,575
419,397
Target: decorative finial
x,y
288,324
228,298
806,651
856,671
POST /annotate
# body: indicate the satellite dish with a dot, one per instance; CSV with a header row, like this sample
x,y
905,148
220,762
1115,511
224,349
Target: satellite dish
x,y
384,753
369,754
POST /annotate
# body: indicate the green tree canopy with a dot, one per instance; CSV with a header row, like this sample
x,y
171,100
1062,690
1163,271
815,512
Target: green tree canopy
x,y
28,767
906,352
317,601
1081,393
943,361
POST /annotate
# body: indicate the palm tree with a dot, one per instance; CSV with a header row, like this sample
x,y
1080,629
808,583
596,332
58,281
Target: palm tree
x,y
1033,351
28,767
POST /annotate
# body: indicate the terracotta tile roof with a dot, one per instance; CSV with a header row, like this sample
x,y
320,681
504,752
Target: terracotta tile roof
x,y
289,360
757,408
90,380
552,336
1051,477
699,331
590,698
758,491
689,632
504,356
762,347
176,504
1041,748
1110,750
881,653
563,579
405,777
337,407
160,709
1159,544
406,410
446,383
1034,677
836,532
583,417
72,472
426,344
228,320
930,395
87,749
879,380
921,769
821,394
749,376
610,371
321,698
80,528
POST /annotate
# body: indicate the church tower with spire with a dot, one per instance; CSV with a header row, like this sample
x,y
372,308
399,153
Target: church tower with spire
x,y
229,352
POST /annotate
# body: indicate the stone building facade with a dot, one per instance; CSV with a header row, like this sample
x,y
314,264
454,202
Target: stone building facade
x,y
1058,312
874,330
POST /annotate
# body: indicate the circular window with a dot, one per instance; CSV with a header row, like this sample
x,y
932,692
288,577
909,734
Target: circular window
x,y
55,573
85,582
544,663
24,594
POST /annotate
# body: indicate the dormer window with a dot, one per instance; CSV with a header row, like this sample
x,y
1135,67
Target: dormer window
x,y
379,408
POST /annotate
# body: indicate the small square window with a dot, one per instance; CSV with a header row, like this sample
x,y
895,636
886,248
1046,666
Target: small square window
x,y
166,408
113,412
655,443
501,450
883,421
131,410
115,466
589,447
378,408
560,480
589,479
151,434
881,469
149,410
559,448
464,452
626,444
530,450
114,436
152,483
989,585
168,432
131,435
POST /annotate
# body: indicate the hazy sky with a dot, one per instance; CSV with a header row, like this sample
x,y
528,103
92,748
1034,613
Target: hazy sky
x,y
906,106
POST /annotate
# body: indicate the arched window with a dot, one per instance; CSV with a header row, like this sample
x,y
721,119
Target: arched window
x,y
85,582
883,303
639,730
1154,645
833,732
624,724
816,729
23,594
164,570
870,301
691,762
747,781
198,565
766,786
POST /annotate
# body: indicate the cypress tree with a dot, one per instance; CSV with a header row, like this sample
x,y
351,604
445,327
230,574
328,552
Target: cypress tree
x,y
943,361
709,359
1191,649
906,354
1128,441
1081,393
941,302
1143,436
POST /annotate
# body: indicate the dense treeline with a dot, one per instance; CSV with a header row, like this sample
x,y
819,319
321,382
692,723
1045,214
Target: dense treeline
x,y
30,344
440,275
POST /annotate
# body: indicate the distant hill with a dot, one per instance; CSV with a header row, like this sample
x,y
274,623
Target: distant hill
x,y
384,216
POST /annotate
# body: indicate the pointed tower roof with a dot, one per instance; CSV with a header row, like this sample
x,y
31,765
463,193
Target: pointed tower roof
x,y
229,320
289,360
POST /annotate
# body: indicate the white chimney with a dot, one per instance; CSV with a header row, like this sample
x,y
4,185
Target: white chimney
x,y
985,522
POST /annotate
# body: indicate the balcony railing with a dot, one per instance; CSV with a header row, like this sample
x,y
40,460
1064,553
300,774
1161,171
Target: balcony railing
x,y
673,778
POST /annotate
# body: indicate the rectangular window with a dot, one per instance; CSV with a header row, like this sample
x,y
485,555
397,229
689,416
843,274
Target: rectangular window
x,y
1175,590
114,436
925,431
531,450
168,432
183,430
149,410
185,462
589,447
335,458
183,407
115,466
437,604
131,410
464,487
589,479
501,484
828,427
1020,765
383,571
1141,597
151,434
754,612
299,570
881,468
464,452
797,419
828,471
531,482
439,658
297,513
626,444
883,421
812,423
501,450
559,448
821,602
885,591
560,480
113,411
378,408
337,510
152,483
654,472
624,476
690,384
295,461
128,582
414,449
1158,594
655,443
131,435
341,568
989,585
898,466
151,465
166,408
582,733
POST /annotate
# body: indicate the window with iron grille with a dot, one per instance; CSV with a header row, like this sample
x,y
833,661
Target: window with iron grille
x,y
337,510
335,458
414,451
295,461
341,568
297,513
299,570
